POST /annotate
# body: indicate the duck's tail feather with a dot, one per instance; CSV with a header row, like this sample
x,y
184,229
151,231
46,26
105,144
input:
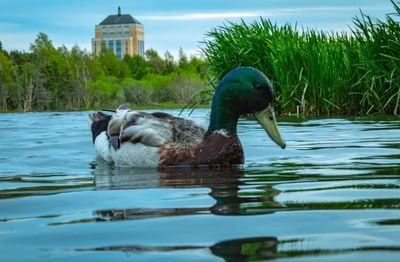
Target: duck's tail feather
x,y
97,116
98,123
125,106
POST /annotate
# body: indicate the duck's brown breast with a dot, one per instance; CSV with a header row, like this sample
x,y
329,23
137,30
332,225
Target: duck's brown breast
x,y
216,150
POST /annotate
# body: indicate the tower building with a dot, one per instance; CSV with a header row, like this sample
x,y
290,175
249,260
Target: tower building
x,y
120,33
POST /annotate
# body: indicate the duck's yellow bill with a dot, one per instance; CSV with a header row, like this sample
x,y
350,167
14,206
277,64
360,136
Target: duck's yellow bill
x,y
267,120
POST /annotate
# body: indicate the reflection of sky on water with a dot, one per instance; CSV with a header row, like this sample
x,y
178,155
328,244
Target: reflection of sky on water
x,y
331,194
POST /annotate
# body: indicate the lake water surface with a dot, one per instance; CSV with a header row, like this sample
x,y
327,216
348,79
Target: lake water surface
x,y
332,195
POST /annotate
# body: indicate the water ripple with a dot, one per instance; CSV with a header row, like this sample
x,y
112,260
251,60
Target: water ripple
x,y
333,193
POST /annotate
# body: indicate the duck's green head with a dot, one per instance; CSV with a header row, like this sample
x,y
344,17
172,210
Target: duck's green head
x,y
244,90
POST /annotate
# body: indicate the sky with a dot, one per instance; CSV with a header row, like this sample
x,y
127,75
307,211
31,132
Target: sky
x,y
169,24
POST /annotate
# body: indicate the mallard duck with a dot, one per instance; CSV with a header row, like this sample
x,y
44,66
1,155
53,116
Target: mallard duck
x,y
141,139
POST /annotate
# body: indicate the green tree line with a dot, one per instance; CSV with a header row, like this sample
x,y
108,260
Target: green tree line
x,y
49,78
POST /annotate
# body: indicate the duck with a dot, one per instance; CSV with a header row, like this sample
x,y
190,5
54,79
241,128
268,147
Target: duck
x,y
130,138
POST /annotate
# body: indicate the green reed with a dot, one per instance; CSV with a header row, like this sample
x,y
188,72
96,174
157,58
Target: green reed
x,y
316,72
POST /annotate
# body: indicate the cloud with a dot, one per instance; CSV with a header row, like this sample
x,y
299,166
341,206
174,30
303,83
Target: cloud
x,y
244,14
5,26
77,21
199,16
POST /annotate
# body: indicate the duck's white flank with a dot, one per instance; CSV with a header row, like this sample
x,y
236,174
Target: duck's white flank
x,y
128,154
102,146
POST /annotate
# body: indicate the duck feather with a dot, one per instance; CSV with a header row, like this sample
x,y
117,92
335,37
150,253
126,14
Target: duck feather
x,y
128,135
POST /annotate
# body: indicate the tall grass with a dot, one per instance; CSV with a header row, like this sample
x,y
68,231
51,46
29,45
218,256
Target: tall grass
x,y
315,71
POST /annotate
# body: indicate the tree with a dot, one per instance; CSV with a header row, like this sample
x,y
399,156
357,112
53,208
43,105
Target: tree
x,y
183,60
42,42
169,64
198,66
113,66
49,78
155,61
6,79
138,66
185,87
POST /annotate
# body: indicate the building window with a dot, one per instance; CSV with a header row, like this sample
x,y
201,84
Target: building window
x,y
119,33
126,33
118,45
104,34
140,47
112,33
126,47
95,47
111,45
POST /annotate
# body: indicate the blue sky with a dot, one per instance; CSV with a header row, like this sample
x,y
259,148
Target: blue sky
x,y
169,24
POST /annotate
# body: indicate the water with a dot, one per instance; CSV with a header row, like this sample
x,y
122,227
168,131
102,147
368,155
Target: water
x,y
331,195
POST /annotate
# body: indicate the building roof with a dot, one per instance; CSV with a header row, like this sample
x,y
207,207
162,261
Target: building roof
x,y
119,19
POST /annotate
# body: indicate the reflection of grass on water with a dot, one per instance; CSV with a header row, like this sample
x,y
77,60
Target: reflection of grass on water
x,y
247,249
43,185
389,222
361,204
318,72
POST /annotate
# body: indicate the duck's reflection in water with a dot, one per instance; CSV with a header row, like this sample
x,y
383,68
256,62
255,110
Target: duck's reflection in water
x,y
233,194
246,249
225,186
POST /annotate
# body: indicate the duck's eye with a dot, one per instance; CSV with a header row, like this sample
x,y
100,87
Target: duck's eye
x,y
259,87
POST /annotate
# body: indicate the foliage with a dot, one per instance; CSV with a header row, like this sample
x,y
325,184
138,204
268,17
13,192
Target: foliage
x,y
314,71
7,70
49,78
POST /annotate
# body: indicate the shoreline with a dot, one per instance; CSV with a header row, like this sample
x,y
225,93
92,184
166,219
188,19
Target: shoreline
x,y
282,116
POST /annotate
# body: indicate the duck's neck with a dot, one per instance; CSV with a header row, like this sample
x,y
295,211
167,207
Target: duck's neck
x,y
223,118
